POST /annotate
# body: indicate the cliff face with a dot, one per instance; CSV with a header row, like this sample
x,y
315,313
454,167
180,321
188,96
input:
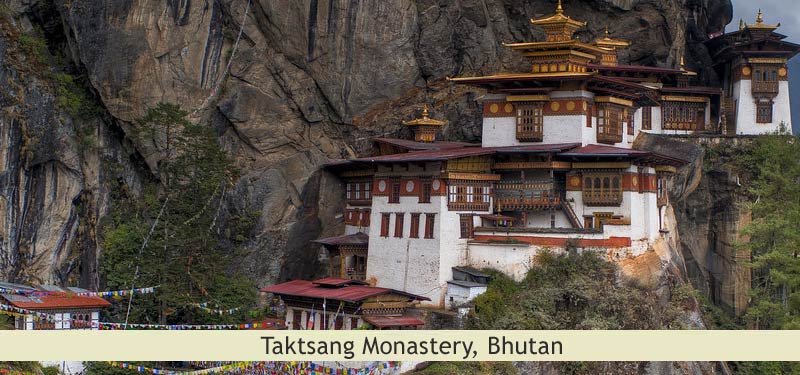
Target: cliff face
x,y
307,82
707,214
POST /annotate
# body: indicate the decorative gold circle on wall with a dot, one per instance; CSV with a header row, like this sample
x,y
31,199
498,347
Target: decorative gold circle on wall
x,y
746,70
575,181
554,106
585,106
635,181
570,105
782,72
494,108
508,108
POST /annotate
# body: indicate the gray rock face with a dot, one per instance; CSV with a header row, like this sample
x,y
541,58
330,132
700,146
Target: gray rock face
x,y
309,81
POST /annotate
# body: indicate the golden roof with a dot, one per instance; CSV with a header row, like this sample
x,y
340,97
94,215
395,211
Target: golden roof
x,y
608,42
760,25
424,120
558,19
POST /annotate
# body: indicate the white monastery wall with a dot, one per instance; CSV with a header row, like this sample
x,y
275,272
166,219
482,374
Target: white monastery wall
x,y
746,112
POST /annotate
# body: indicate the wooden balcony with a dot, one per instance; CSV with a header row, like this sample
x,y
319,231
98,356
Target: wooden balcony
x,y
765,87
609,138
527,203
359,202
605,198
530,136
468,206
527,195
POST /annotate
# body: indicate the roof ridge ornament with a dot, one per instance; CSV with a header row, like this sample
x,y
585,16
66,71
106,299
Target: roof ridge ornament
x,y
559,8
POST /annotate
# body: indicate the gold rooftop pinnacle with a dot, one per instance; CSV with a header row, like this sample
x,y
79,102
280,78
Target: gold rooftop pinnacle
x,y
425,127
760,23
609,43
558,27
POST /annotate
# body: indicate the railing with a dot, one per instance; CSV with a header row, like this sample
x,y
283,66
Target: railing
x,y
535,135
765,87
609,137
573,218
468,206
359,202
519,195
602,198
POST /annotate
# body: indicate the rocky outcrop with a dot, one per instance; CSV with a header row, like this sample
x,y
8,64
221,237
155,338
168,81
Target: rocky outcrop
x,y
287,85
707,207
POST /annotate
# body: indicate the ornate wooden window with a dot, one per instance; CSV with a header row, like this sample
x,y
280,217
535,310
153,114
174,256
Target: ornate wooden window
x,y
398,224
425,192
602,189
414,226
589,113
465,222
394,193
385,225
683,116
359,193
429,223
468,195
765,80
661,190
629,119
647,118
609,123
763,112
530,122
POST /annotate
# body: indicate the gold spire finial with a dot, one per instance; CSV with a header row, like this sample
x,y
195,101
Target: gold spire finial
x,y
683,63
760,17
559,9
741,24
606,32
425,111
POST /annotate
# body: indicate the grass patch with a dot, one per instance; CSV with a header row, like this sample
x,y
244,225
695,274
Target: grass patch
x,y
469,368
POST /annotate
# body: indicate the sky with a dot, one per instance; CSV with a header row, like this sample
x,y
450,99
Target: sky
x,y
787,12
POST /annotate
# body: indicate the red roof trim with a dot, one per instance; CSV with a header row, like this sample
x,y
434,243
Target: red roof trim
x,y
393,321
349,293
51,302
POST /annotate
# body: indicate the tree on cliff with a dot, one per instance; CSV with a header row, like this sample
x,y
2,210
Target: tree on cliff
x,y
774,233
171,234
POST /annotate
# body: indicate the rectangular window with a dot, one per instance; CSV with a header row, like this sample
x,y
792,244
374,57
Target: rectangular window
x,y
683,116
630,117
468,195
385,225
647,118
349,191
297,317
602,189
764,112
530,122
358,191
364,218
588,222
414,226
429,223
394,194
425,192
466,226
589,112
367,190
398,224
609,123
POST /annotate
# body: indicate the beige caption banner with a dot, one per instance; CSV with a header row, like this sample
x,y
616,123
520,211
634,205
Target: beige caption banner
x,y
399,345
